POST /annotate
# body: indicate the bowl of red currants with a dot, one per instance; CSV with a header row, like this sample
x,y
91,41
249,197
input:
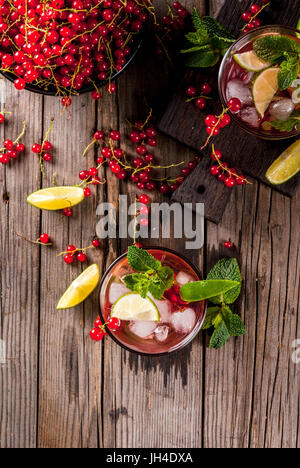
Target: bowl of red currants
x,y
69,47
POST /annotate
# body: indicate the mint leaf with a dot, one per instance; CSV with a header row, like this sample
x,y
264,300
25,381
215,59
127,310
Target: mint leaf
x,y
220,336
166,276
289,70
211,314
196,19
137,282
234,323
160,282
226,269
141,260
199,37
215,29
203,59
204,48
289,124
273,49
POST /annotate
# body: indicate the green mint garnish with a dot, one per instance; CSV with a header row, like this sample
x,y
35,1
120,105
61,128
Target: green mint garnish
x,y
283,51
151,277
289,124
208,43
226,276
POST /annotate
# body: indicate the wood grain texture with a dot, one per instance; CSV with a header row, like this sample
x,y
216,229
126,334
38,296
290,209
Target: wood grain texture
x,y
59,389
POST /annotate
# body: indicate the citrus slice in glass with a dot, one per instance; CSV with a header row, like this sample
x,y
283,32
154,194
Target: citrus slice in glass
x,y
56,198
264,89
132,306
80,288
286,166
202,290
249,61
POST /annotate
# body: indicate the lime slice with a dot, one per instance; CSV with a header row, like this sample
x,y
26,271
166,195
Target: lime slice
x,y
134,307
81,288
250,61
264,89
201,290
286,166
56,198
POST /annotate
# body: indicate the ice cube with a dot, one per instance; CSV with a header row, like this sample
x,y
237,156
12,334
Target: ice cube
x,y
183,278
161,333
281,110
117,290
164,309
184,322
237,89
250,116
142,329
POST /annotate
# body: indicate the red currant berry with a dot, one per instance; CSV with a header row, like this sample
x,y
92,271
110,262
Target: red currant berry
x,y
20,147
96,95
93,171
164,188
214,170
141,150
47,157
36,148
67,212
98,135
240,180
255,8
81,257
44,238
206,89
87,192
113,324
200,103
229,182
96,243
115,135
144,210
234,105
246,16
96,334
144,222
8,144
47,146
210,120
228,245
144,199
216,155
191,91
19,84
68,258
83,175
66,101
71,248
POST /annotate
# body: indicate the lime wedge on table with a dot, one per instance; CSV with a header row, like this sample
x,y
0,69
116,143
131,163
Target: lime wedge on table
x,y
201,290
250,61
56,198
286,166
134,307
81,288
264,89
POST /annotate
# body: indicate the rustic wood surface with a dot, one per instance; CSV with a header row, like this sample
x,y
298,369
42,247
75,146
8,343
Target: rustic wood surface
x,y
59,389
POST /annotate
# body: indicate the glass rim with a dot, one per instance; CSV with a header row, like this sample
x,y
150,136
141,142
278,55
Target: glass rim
x,y
188,339
257,133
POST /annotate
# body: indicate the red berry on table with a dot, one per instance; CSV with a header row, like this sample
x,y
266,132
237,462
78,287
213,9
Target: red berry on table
x,y
228,245
246,16
4,159
119,153
20,147
210,120
98,323
106,152
111,88
191,91
36,148
87,192
140,185
68,258
96,334
144,222
255,8
100,160
96,95
67,212
164,188
138,162
234,105
44,238
98,135
47,157
216,155
115,135
71,248
152,142
113,324
256,22
221,177
240,180
1,118
135,137
150,186
81,257
225,120
229,182
214,170
149,158
141,150
96,180
19,84
200,103
8,144
185,171
83,175
93,171
47,146
96,243
212,131
122,174
206,89
144,199
151,132
66,101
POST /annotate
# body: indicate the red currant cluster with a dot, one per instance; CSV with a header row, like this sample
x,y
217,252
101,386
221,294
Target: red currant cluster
x,y
251,17
73,252
98,333
68,44
173,26
43,150
200,100
226,175
11,149
143,210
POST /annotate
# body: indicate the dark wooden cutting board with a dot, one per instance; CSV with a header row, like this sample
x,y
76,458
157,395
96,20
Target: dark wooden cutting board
x,y
184,122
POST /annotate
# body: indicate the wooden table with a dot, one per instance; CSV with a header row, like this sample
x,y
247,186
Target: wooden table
x,y
60,389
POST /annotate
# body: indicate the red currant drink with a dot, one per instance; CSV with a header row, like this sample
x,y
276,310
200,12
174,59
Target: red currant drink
x,y
179,321
244,78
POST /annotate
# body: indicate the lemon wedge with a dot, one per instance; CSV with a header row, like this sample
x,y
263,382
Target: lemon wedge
x,y
80,288
286,166
132,306
264,89
249,61
56,198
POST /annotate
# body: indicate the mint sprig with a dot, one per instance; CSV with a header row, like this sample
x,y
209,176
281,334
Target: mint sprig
x,y
289,124
220,316
151,277
283,51
208,43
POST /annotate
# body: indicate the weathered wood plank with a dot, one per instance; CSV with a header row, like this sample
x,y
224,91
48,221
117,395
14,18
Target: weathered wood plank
x,y
19,303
